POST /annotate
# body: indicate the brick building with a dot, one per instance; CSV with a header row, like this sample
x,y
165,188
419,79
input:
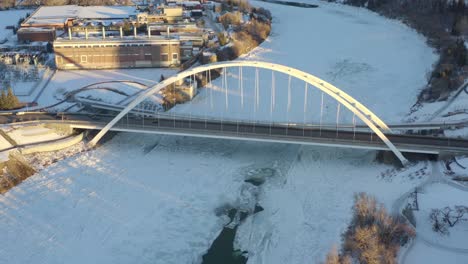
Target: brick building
x,y
117,53
26,35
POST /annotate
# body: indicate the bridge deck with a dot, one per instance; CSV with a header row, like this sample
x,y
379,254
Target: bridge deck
x,y
278,133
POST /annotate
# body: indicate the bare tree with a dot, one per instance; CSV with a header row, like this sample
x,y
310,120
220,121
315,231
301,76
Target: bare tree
x,y
447,216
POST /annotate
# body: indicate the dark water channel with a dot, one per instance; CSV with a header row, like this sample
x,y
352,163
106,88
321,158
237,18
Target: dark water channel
x,y
222,249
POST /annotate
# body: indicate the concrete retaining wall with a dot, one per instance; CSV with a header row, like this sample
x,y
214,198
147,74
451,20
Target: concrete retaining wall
x,y
61,128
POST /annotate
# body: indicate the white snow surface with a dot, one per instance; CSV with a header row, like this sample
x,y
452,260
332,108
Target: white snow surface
x,y
438,196
4,144
152,203
380,62
151,199
32,134
59,14
423,253
67,81
10,18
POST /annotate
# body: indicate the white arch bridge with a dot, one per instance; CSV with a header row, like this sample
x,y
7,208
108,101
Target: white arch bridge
x,y
380,135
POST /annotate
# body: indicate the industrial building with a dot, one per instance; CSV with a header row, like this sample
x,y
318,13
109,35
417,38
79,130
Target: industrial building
x,y
27,35
105,37
60,17
166,14
116,53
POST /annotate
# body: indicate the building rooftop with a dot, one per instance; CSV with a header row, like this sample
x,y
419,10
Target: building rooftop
x,y
36,29
112,39
60,14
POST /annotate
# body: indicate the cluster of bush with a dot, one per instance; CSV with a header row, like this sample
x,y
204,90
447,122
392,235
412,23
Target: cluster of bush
x,y
447,217
6,4
373,236
245,37
8,100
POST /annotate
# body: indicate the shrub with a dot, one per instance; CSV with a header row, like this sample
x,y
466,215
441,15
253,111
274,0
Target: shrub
x,y
263,12
9,100
226,53
230,18
373,236
258,30
243,43
408,213
448,217
223,39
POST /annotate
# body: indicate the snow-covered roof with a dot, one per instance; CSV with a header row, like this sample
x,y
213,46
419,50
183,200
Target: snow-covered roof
x,y
35,29
60,14
191,3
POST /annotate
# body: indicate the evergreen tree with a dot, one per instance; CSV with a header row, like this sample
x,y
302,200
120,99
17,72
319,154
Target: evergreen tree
x,y
2,100
11,99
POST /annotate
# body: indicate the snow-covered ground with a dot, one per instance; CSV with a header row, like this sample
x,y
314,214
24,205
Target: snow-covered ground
x,y
31,134
67,81
152,199
4,144
423,253
438,196
454,247
141,199
10,18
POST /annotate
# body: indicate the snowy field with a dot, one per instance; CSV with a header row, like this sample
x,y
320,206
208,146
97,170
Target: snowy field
x,y
423,253
152,199
455,249
10,18
31,134
66,81
438,196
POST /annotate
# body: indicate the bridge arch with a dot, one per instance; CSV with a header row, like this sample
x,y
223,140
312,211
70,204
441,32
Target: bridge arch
x,y
362,112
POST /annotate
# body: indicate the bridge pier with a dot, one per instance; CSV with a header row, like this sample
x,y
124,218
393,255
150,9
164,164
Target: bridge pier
x,y
388,157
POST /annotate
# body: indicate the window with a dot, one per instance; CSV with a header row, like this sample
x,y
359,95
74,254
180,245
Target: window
x,y
187,53
164,57
175,56
84,59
